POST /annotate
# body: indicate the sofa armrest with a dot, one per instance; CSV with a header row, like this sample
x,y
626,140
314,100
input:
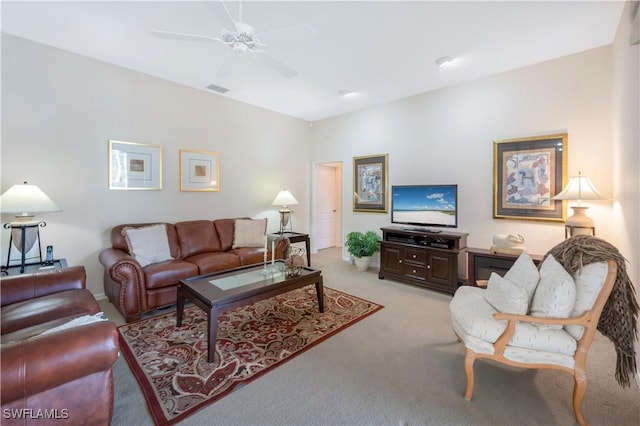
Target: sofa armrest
x,y
17,288
124,282
31,366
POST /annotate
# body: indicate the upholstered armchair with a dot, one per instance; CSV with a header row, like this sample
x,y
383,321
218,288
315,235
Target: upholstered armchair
x,y
534,319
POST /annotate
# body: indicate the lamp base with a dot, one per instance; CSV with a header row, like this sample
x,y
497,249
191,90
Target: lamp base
x,y
285,221
579,223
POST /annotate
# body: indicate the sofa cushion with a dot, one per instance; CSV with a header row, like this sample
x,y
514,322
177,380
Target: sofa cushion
x,y
524,274
225,229
69,303
555,294
169,273
197,236
589,282
249,233
148,244
505,296
118,241
213,262
249,255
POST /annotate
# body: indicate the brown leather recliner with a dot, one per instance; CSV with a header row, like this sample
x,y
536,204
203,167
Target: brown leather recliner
x,y
63,377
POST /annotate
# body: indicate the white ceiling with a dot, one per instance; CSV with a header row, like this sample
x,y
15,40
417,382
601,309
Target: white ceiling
x,y
381,50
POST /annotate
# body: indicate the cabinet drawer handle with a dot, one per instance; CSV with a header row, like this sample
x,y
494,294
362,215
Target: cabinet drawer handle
x,y
414,256
400,261
428,266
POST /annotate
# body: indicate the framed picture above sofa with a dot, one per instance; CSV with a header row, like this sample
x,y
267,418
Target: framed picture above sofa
x,y
134,166
199,170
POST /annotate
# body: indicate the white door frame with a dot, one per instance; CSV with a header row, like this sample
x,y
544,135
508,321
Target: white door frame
x,y
314,203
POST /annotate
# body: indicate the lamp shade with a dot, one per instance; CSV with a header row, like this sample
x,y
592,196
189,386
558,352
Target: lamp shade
x,y
25,200
579,188
284,198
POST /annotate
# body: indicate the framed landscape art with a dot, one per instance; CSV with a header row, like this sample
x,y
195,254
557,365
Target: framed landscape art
x,y
199,170
370,183
527,173
134,165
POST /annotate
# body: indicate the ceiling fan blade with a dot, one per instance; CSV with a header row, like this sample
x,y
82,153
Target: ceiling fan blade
x,y
222,14
228,64
300,32
275,64
184,36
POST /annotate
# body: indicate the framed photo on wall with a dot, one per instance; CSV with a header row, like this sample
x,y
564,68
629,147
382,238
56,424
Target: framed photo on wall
x,y
199,170
527,173
134,166
370,183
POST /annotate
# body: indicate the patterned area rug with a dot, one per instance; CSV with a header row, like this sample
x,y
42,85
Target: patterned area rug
x,y
170,363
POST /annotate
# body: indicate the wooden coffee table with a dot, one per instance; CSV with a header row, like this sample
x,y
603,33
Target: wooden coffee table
x,y
222,291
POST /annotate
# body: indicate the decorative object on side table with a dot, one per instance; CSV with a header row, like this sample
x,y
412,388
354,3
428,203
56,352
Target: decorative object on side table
x,y
527,173
579,188
284,199
26,200
362,245
294,262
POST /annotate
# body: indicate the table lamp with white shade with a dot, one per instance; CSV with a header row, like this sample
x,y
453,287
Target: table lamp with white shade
x,y
578,189
285,199
25,201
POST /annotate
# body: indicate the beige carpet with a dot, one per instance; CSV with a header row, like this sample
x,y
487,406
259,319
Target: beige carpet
x,y
401,366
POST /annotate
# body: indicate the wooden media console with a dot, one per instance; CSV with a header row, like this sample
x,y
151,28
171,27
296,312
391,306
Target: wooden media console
x,y
423,257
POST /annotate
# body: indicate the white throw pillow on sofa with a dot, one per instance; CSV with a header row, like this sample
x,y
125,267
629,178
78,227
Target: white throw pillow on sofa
x,y
148,244
505,296
524,274
555,294
249,233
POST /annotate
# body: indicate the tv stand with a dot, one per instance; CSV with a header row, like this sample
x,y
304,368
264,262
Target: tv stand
x,y
430,231
423,257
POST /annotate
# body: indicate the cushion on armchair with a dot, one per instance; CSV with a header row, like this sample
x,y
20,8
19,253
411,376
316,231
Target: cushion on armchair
x,y
506,296
524,274
555,294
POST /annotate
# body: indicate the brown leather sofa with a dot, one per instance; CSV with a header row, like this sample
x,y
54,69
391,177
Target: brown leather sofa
x,y
198,247
64,377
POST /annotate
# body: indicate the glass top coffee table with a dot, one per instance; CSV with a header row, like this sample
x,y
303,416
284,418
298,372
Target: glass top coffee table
x,y
226,290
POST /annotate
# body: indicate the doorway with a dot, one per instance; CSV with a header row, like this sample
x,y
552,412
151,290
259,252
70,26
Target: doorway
x,y
328,206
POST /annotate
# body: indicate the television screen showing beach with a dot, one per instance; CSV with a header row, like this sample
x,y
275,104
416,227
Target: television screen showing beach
x,y
429,205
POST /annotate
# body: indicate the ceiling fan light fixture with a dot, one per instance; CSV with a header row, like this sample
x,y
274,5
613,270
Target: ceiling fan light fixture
x,y
346,93
444,61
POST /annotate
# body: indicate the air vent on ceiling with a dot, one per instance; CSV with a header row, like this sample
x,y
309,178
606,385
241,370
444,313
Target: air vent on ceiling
x,y
217,88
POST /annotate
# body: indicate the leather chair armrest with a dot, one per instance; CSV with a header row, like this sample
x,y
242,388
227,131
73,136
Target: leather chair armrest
x,y
31,366
17,288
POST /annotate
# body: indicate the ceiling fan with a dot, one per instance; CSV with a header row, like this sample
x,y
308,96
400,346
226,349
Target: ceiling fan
x,y
243,40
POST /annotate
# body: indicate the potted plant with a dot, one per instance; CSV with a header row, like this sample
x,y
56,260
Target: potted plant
x,y
362,245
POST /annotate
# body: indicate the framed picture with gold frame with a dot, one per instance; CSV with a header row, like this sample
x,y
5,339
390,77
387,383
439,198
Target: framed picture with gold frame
x,y
199,171
134,166
527,173
370,192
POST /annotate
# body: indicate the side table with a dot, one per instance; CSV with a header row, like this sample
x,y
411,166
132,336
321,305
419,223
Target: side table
x,y
482,262
34,267
298,237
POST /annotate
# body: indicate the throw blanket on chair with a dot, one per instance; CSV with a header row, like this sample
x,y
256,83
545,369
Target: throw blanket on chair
x,y
619,317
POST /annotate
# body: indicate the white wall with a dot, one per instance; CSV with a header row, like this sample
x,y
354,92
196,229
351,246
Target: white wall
x,y
446,136
60,109
626,146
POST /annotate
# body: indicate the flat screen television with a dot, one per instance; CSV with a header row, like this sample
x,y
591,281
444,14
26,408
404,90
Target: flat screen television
x,y
425,205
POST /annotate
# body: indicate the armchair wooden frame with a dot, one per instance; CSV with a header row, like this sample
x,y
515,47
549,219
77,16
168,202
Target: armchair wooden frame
x,y
589,320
